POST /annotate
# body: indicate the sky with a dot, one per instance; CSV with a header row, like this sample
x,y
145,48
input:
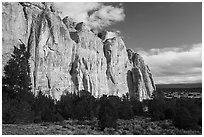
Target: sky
x,y
167,35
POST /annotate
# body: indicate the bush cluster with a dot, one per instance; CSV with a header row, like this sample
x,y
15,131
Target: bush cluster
x,y
184,112
107,109
79,106
107,114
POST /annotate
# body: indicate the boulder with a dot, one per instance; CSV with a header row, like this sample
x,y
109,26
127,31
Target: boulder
x,y
82,27
102,35
69,22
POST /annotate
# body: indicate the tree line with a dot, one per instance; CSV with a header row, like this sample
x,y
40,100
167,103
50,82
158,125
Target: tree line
x,y
21,106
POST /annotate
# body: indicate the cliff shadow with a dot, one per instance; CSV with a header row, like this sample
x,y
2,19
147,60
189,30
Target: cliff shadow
x,y
129,79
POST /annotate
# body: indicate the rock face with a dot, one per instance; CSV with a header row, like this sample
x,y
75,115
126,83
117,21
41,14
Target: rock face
x,y
68,57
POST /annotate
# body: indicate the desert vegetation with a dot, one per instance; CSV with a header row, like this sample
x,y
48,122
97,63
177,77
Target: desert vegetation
x,y
21,106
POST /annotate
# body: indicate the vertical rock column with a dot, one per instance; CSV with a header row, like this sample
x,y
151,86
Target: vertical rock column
x,y
117,66
143,85
51,54
89,65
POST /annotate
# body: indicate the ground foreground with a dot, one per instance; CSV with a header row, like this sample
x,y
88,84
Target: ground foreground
x,y
138,125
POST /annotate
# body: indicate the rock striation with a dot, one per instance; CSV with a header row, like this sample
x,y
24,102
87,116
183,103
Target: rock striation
x,y
68,57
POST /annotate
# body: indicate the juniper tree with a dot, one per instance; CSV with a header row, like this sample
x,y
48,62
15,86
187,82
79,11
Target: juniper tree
x,y
16,82
107,115
17,73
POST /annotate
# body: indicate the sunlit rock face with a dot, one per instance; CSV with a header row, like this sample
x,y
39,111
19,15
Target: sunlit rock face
x,y
142,79
68,57
12,16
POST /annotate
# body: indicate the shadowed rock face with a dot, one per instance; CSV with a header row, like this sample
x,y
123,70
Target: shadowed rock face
x,y
69,57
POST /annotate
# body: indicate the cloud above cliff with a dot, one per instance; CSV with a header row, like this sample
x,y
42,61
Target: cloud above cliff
x,y
175,65
94,14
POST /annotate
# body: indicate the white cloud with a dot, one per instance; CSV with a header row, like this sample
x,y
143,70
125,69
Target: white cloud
x,y
76,10
106,16
94,14
175,65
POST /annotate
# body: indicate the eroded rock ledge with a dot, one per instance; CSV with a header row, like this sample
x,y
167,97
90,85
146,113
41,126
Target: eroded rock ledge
x,y
68,57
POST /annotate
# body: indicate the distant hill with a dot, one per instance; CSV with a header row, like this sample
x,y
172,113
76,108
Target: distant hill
x,y
183,85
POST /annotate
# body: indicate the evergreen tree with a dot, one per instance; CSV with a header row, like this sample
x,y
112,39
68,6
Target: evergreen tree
x,y
84,108
44,108
17,98
17,73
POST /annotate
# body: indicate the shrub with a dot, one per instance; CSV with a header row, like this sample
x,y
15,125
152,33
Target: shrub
x,y
183,119
169,113
158,94
194,107
85,107
44,108
66,105
114,100
185,113
8,112
160,109
124,110
158,115
107,114
83,110
17,111
136,107
156,109
81,106
58,117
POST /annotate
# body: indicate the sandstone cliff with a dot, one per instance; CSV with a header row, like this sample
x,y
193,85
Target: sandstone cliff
x,y
68,57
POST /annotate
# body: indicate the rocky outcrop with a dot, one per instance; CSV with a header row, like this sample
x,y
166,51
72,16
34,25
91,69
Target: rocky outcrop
x,y
68,57
12,16
69,22
141,75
